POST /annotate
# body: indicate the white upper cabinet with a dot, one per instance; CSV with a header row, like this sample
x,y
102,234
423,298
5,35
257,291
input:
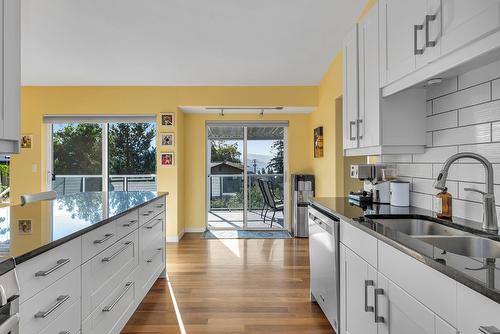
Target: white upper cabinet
x,y
350,88
427,38
465,21
10,73
373,125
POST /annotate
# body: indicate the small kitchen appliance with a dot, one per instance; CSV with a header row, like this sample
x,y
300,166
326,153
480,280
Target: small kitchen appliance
x,y
375,183
400,193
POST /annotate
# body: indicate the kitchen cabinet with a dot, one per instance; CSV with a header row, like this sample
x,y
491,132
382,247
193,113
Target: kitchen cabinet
x,y
374,125
465,21
10,75
358,282
475,310
350,88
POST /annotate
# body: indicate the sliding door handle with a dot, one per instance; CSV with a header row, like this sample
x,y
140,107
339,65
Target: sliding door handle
x,y
367,284
428,19
416,29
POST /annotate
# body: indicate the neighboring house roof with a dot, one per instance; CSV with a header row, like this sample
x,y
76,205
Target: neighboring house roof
x,y
226,167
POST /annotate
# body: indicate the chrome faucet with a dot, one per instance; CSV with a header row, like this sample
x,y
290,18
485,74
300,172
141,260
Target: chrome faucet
x,y
490,214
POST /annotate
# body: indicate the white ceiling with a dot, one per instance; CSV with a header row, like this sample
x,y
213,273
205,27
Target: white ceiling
x,y
182,42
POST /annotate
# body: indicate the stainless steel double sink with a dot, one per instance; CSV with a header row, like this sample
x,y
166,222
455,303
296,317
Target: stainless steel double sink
x,y
444,237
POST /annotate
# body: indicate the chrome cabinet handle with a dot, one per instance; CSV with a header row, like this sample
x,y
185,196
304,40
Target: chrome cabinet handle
x,y
113,304
158,250
103,240
428,19
147,213
130,223
60,301
159,206
351,137
58,265
150,227
112,256
378,292
65,332
367,284
359,122
416,29
489,330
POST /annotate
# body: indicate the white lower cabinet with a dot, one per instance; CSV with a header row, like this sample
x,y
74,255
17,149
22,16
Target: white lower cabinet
x,y
476,310
67,322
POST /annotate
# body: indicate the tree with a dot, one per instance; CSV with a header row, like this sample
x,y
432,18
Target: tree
x,y
276,162
78,149
222,151
132,148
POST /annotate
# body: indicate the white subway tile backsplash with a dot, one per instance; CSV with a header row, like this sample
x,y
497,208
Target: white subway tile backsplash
x,y
469,210
490,150
415,170
421,200
462,172
495,131
390,158
426,186
479,75
470,195
436,154
482,113
428,139
495,90
465,135
442,121
446,87
428,107
464,98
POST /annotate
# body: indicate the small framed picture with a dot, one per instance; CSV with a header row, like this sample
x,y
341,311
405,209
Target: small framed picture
x,y
167,139
24,226
167,159
26,141
167,119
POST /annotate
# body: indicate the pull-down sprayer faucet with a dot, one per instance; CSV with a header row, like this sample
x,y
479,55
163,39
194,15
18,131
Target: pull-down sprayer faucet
x,y
490,214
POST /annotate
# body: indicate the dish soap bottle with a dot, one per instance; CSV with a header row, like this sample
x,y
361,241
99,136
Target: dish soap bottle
x,y
443,204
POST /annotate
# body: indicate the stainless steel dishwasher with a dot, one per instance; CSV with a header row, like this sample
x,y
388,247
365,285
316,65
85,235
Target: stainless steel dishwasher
x,y
324,250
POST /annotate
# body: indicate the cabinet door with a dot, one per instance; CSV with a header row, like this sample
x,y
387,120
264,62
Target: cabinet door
x,y
369,91
360,280
475,310
401,27
11,70
401,313
350,89
465,21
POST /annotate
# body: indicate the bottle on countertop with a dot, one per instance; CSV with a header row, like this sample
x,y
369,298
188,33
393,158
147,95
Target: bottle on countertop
x,y
442,205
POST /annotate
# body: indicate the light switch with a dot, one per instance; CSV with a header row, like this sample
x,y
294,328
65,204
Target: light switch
x,y
33,168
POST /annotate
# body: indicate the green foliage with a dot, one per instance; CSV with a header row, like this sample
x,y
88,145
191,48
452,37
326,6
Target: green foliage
x,y
130,150
275,165
221,151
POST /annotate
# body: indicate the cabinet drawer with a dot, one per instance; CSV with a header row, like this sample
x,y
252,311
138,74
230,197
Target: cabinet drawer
x,y
67,322
105,271
113,313
151,230
433,289
126,224
151,265
41,310
98,240
475,310
38,273
359,242
147,212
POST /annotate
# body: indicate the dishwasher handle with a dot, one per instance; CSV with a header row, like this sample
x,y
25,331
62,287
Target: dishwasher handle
x,y
325,226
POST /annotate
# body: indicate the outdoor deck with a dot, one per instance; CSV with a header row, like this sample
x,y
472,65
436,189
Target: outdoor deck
x,y
221,219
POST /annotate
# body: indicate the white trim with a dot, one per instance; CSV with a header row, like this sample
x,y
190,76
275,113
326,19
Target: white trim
x,y
234,110
104,157
49,158
194,229
99,118
174,239
245,177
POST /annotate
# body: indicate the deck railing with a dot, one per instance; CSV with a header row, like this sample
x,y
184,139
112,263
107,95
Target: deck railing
x,y
70,184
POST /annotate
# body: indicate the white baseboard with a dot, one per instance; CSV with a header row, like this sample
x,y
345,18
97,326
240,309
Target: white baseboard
x,y
175,239
194,229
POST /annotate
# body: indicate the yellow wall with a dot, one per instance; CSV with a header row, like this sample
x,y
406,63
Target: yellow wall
x,y
28,168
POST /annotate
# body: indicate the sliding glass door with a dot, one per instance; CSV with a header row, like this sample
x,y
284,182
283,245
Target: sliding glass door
x,y
88,156
246,167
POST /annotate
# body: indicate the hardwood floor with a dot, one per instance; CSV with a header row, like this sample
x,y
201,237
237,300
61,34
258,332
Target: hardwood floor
x,y
232,286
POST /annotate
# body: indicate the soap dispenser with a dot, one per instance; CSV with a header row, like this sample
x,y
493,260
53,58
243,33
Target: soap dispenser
x,y
443,204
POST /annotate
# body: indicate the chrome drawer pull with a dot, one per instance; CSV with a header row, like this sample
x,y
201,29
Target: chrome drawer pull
x,y
130,223
60,301
367,284
58,265
489,330
150,227
159,206
65,332
103,240
112,306
148,213
158,250
378,292
112,256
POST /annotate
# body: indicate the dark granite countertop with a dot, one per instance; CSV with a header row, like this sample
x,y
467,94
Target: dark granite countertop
x,y
57,221
480,274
